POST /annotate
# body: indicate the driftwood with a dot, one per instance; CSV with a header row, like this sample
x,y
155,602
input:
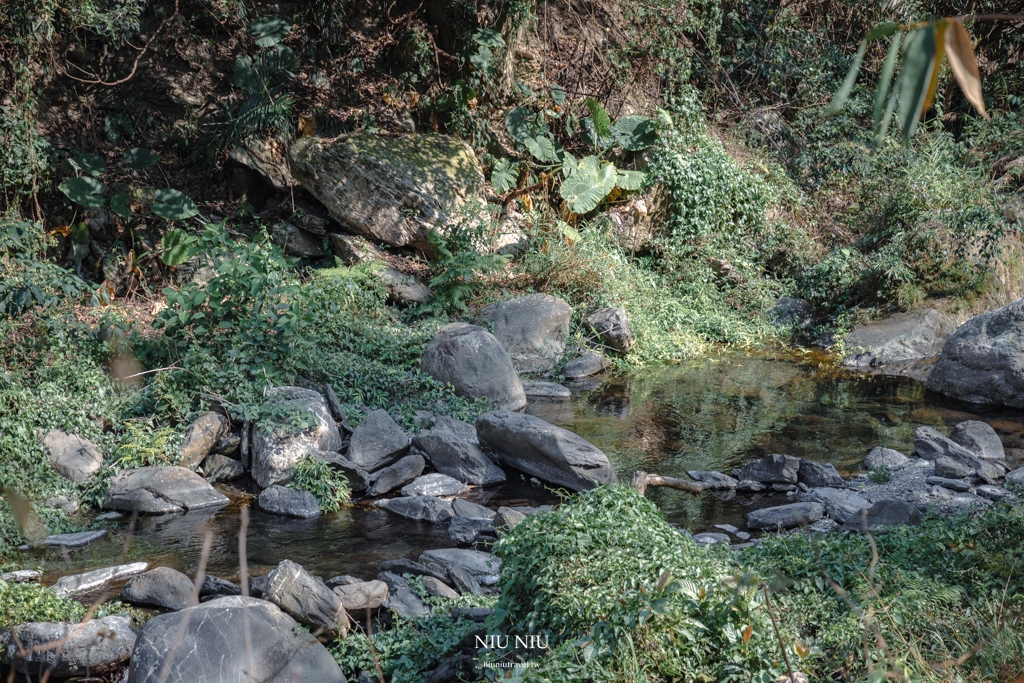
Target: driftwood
x,y
641,480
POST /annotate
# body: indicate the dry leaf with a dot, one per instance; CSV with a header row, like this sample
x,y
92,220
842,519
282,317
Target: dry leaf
x,y
933,84
307,126
748,633
801,649
960,53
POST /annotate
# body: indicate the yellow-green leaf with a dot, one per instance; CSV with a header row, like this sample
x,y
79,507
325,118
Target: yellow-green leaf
x,y
960,53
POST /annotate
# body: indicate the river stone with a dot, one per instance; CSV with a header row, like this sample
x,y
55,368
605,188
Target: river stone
x,y
21,576
467,530
356,597
452,454
713,481
393,581
840,504
543,450
75,540
434,484
884,513
484,567
422,508
785,516
358,478
979,438
586,365
274,453
951,469
73,456
399,474
161,490
404,565
439,589
463,430
230,445
983,360
280,500
213,585
930,444
201,436
406,604
901,337
94,648
463,580
160,587
207,644
342,580
885,457
219,467
532,329
749,485
96,579
507,518
465,508
546,390
305,597
611,325
817,474
771,469
1016,476
473,361
951,484
993,493
377,442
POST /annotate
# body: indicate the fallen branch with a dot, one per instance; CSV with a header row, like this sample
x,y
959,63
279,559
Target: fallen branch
x,y
641,480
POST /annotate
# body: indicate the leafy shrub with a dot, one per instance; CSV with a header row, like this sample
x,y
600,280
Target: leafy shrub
x,y
328,485
27,278
459,267
880,474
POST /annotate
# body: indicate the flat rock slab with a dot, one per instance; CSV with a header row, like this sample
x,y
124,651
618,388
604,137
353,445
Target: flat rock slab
x,y
434,484
840,504
406,604
76,540
711,538
161,490
901,337
586,365
160,587
94,648
377,442
771,469
280,500
951,484
713,481
484,567
21,576
420,508
546,390
785,516
98,578
465,508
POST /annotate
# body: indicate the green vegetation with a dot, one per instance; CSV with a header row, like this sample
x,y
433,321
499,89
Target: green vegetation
x,y
316,476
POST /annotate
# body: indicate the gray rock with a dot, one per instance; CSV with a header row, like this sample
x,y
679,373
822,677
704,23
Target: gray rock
x,y
393,581
901,337
201,436
363,595
76,540
951,484
161,490
218,467
840,504
342,580
930,444
817,475
406,604
63,502
507,518
465,508
94,648
258,585
279,500
477,614
586,365
532,329
96,579
885,457
473,361
466,530
992,492
212,642
951,469
463,580
546,390
305,597
713,481
771,469
710,538
213,585
401,473
421,508
275,452
377,442
358,478
1016,476
983,360
790,312
750,486
785,516
74,457
353,249
295,241
21,576
611,325
463,430
885,513
403,566
939,492
439,588
728,528
551,453
979,438
160,587
266,157
452,454
434,484
403,289
388,189
484,567
230,445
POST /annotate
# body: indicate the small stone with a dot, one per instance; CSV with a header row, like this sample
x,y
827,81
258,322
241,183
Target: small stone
x,y
710,538
713,480
979,438
784,488
112,516
399,474
75,540
728,528
742,535
586,365
362,595
507,518
434,485
425,508
21,576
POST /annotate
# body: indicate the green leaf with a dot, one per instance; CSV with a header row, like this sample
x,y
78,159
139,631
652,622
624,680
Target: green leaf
x,y
173,205
886,28
269,31
119,205
542,148
179,246
83,190
839,99
633,133
918,65
557,95
93,164
602,122
630,180
488,37
140,158
523,123
588,185
483,59
569,164
885,78
504,176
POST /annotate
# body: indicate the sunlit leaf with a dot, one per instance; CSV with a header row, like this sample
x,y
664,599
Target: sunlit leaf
x,y
960,54
801,649
523,123
557,95
940,51
886,28
488,37
483,59
269,31
140,158
119,205
918,64
633,133
83,190
173,205
588,185
542,148
630,180
504,175
93,164
178,246
602,122
885,78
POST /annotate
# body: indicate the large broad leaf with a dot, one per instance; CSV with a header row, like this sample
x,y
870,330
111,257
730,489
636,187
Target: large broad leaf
x,y
140,158
504,176
488,37
602,122
960,54
523,123
918,66
269,31
590,135
591,182
93,164
83,190
179,246
542,148
119,205
633,133
630,180
173,205
483,59
569,164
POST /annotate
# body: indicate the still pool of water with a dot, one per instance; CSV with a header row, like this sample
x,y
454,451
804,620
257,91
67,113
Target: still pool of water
x,y
712,415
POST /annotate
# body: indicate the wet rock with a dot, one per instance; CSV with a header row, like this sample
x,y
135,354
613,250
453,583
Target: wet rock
x,y
456,456
421,508
885,457
898,338
76,540
401,473
951,469
785,516
403,566
551,453
532,329
21,576
377,442
434,484
713,481
508,519
549,390
218,467
201,436
358,478
213,585
364,595
884,513
160,587
930,444
611,325
951,484
206,644
161,490
771,469
465,508
750,486
73,456
586,365
305,597
439,588
280,500
466,530
95,648
840,504
96,579
275,452
484,567
406,604
817,475
979,438
710,538
473,361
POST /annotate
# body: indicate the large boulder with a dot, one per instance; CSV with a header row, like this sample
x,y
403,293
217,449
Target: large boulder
x,y
399,474
817,475
771,469
785,516
377,442
453,454
390,189
280,500
979,438
551,453
983,360
888,458
160,587
90,649
201,436
473,361
275,451
161,490
899,338
611,325
305,597
230,640
74,457
532,329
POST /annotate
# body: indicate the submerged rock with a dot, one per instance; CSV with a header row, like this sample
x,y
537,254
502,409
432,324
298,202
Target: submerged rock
x,y
586,365
473,361
897,339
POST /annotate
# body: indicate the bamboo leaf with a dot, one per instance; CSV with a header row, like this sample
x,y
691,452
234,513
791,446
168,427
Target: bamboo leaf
x,y
885,78
961,61
839,99
918,64
886,28
889,108
940,50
